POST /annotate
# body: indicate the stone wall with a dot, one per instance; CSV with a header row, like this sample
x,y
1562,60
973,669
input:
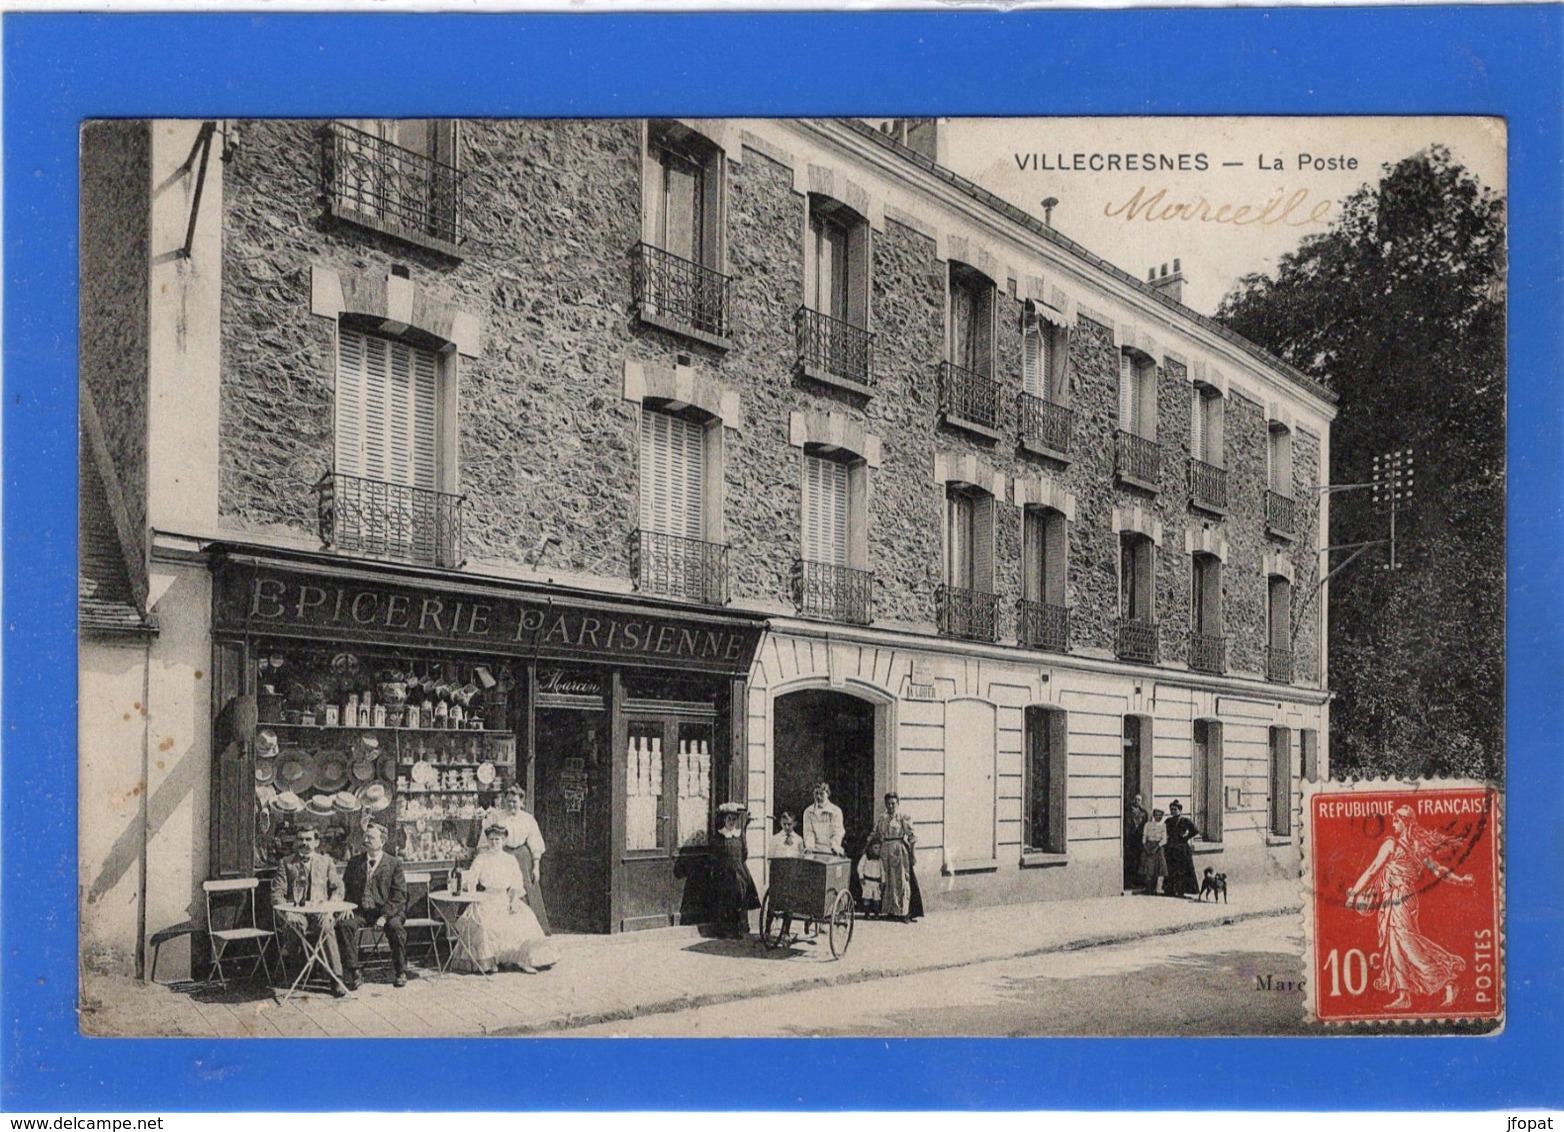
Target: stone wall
x,y
115,213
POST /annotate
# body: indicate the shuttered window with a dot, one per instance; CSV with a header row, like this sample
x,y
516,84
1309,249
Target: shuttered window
x,y
1281,782
1206,595
1279,609
825,511
1281,460
1206,779
387,410
1045,553
1135,577
971,330
1205,425
1137,395
1034,362
970,540
673,474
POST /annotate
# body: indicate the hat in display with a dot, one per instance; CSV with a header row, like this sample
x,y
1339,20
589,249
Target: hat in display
x,y
731,808
363,769
331,771
345,802
265,795
370,744
265,772
296,772
266,744
320,805
374,797
287,803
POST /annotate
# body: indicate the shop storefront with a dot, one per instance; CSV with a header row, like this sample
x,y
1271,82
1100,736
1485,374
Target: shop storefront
x,y
344,695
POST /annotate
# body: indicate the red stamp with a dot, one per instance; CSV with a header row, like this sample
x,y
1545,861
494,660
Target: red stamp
x,y
1403,902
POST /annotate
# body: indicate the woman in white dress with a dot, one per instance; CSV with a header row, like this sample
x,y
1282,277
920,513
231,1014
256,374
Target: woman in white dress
x,y
499,927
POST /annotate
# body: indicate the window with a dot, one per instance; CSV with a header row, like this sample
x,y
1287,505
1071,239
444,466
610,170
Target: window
x,y
969,539
676,551
399,176
1044,356
1136,563
971,326
1046,556
825,511
833,334
1206,778
1046,789
1279,460
1278,629
1309,753
829,580
1205,437
1137,394
384,495
1206,596
1281,782
679,284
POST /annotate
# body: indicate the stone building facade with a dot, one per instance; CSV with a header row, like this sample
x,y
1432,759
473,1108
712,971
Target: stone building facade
x,y
1013,718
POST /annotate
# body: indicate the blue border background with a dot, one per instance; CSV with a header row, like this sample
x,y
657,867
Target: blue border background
x,y
60,69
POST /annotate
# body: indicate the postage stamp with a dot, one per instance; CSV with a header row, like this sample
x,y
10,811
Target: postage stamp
x,y
1402,909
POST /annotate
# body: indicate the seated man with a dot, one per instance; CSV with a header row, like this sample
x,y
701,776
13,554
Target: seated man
x,y
375,882
308,877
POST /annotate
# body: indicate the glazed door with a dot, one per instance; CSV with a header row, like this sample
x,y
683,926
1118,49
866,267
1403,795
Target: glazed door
x,y
573,808
667,764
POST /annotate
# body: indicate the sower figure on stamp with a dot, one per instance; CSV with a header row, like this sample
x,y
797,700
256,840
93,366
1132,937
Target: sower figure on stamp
x,y
1409,962
375,882
1180,857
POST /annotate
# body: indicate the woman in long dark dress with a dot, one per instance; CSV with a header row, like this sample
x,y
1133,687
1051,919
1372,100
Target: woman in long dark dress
x,y
1181,858
733,889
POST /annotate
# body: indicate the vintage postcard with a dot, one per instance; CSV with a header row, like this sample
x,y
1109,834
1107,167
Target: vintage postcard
x,y
767,577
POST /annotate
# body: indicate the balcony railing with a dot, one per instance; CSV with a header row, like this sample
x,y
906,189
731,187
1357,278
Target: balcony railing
x,y
829,347
1207,486
967,613
1207,653
1138,459
1278,665
681,293
379,183
1136,640
1044,425
1043,626
966,397
680,567
390,520
836,593
1281,514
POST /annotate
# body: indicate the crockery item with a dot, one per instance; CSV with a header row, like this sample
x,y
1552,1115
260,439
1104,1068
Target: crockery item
x,y
331,771
265,796
265,771
486,772
287,803
388,767
320,805
374,797
345,802
333,717
307,718
295,771
423,773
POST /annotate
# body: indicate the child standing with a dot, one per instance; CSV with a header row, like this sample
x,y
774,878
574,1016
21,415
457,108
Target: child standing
x,y
1153,861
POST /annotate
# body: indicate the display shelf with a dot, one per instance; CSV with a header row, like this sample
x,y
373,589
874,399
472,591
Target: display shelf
x,y
465,732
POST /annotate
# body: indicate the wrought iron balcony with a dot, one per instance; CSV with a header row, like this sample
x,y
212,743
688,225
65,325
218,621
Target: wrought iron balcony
x,y
380,184
680,567
968,398
1043,425
1208,486
1281,515
836,593
967,613
1043,626
1278,665
1207,654
680,294
1136,640
832,350
390,520
1137,459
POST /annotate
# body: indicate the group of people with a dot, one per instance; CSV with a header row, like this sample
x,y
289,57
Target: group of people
x,y
1158,850
507,925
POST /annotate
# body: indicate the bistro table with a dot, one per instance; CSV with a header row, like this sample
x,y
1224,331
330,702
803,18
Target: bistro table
x,y
324,913
451,906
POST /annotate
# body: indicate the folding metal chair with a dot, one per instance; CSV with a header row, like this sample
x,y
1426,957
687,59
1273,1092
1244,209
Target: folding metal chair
x,y
231,924
418,914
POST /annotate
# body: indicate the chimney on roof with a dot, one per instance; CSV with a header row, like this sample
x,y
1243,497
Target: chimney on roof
x,y
1170,285
921,135
1049,204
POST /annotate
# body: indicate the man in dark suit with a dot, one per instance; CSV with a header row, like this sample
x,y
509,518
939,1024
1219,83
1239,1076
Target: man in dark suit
x,y
375,882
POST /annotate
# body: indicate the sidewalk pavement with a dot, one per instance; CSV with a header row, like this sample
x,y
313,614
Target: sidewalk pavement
x,y
607,978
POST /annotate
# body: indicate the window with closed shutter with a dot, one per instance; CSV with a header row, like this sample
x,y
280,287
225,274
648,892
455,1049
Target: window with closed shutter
x,y
1281,460
1129,395
1206,595
387,410
1279,610
1034,362
825,511
1045,549
1135,577
673,474
970,540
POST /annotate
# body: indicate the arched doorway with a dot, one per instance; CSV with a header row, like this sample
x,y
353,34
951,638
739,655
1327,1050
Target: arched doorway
x,y
827,736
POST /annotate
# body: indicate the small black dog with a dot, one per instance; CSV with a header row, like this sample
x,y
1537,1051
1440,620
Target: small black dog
x,y
1213,882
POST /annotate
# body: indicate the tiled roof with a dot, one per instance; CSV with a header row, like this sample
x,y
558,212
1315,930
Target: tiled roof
x,y
1033,224
105,600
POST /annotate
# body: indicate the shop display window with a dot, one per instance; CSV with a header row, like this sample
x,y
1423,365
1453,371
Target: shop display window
x,y
421,745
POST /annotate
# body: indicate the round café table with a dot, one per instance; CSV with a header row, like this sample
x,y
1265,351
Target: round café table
x,y
324,913
451,906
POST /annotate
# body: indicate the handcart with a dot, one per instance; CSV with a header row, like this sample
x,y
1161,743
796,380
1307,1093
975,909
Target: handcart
x,y
815,890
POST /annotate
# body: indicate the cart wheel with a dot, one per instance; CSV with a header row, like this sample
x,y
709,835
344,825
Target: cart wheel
x,y
770,924
841,924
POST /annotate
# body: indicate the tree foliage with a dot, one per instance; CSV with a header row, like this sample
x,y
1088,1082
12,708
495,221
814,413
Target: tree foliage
x,y
1399,307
